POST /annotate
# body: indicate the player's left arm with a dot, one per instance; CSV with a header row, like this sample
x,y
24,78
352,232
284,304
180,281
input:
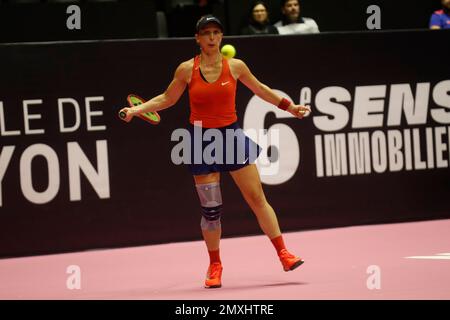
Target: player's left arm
x,y
243,73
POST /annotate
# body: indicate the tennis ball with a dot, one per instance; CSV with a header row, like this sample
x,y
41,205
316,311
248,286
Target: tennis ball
x,y
228,51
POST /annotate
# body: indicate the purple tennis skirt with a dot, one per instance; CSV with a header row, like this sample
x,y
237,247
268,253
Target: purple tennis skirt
x,y
220,149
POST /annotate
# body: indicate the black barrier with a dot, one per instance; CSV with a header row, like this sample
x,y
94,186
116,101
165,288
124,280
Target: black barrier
x,y
25,22
73,176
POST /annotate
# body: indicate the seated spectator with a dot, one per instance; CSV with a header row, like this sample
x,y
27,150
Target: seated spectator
x,y
292,22
440,19
258,20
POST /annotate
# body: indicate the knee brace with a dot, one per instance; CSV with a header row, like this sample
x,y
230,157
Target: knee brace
x,y
211,203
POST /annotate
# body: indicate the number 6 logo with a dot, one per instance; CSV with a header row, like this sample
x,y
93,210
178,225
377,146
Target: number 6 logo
x,y
279,137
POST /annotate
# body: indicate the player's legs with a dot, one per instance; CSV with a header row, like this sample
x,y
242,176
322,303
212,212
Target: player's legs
x,y
210,235
208,189
248,181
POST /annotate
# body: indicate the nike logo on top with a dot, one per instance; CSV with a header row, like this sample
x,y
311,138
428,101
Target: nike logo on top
x,y
225,83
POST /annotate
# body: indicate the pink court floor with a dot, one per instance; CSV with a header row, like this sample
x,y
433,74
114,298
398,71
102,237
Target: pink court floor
x,y
391,261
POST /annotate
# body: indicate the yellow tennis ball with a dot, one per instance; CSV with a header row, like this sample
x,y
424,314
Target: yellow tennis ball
x,y
228,51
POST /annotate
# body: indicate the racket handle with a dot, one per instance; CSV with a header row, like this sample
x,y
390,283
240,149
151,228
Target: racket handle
x,y
122,114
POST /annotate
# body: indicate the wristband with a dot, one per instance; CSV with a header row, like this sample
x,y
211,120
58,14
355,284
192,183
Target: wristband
x,y
284,104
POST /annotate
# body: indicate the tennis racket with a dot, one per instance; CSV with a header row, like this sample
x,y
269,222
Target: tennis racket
x,y
134,100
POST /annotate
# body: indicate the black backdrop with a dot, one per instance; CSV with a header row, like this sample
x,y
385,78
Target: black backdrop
x,y
46,21
20,22
152,200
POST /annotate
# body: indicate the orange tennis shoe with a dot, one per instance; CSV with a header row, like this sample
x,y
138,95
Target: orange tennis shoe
x,y
289,261
214,275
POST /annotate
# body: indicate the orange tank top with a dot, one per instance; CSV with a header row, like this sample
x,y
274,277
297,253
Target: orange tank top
x,y
212,103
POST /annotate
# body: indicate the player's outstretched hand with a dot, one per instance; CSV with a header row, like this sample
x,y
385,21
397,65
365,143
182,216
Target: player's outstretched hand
x,y
126,114
299,111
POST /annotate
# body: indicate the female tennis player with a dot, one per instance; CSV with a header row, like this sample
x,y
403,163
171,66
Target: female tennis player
x,y
211,81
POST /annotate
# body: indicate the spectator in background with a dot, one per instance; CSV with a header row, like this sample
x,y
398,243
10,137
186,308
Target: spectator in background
x,y
258,20
292,22
440,19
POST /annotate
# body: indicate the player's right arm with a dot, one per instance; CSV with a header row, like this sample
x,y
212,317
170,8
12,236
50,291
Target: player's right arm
x,y
244,74
166,99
